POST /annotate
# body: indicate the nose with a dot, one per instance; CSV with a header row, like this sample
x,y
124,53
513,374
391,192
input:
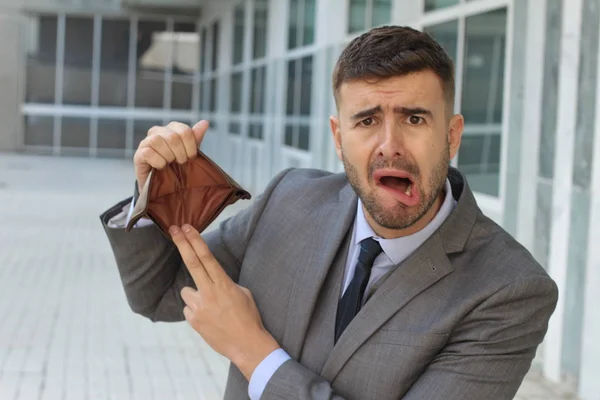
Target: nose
x,y
391,141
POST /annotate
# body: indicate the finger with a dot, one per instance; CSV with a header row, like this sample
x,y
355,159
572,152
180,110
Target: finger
x,y
209,262
148,155
175,143
187,138
158,143
190,297
188,313
199,130
190,258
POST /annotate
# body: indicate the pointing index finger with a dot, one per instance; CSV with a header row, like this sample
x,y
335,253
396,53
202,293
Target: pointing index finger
x,y
190,258
213,269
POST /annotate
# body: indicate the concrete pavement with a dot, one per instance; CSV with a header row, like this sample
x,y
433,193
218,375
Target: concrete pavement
x,y
66,331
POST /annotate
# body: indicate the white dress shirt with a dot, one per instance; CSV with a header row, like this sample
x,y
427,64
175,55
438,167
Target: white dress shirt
x,y
394,252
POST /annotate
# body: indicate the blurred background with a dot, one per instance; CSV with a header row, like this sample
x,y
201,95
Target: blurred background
x,y
81,82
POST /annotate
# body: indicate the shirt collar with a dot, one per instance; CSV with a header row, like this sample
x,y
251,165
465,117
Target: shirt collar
x,y
400,248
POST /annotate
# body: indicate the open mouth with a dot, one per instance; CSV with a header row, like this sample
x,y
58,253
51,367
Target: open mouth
x,y
399,184
403,185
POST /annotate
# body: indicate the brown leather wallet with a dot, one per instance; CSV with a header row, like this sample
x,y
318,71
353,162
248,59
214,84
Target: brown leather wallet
x,y
194,193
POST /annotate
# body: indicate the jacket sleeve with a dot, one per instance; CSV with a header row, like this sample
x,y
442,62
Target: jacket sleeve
x,y
150,266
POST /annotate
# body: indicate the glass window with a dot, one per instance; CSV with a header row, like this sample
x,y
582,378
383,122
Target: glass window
x,y
299,93
256,131
381,13
293,24
213,95
215,46
41,60
308,25
304,137
39,130
291,86
151,62
356,18
257,90
289,135
301,23
235,93
203,50
112,133
77,73
75,132
238,34
114,63
482,96
185,65
141,128
446,34
297,136
306,85
431,5
261,20
235,128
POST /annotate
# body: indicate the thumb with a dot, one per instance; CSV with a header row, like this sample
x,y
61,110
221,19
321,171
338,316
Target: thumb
x,y
199,130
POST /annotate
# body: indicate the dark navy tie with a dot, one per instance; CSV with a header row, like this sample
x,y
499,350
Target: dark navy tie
x,y
351,301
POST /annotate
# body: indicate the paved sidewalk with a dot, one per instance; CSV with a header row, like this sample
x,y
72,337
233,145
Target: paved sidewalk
x,y
66,331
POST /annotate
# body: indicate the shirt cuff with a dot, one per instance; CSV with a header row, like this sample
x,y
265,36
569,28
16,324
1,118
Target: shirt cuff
x,y
263,373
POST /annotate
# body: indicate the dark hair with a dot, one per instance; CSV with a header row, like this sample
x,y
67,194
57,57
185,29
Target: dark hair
x,y
389,51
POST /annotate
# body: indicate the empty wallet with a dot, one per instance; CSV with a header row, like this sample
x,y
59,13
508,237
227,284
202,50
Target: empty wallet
x,y
194,193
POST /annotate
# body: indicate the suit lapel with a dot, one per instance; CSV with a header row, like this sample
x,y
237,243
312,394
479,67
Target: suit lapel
x,y
332,222
427,265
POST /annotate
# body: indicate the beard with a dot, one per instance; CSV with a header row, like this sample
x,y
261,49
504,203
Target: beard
x,y
400,216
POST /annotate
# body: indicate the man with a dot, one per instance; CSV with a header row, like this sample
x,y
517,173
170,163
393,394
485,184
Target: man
x,y
384,282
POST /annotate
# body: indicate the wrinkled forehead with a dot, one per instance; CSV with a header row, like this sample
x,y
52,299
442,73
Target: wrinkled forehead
x,y
421,89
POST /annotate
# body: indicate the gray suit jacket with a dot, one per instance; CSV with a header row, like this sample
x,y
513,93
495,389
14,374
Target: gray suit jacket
x,y
461,318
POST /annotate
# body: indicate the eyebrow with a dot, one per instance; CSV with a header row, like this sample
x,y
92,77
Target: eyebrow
x,y
413,111
366,113
399,110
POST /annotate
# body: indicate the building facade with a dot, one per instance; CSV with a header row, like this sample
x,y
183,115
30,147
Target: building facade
x,y
90,78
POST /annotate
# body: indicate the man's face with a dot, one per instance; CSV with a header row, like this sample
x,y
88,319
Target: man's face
x,y
396,138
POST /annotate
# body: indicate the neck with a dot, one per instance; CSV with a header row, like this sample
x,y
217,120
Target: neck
x,y
421,223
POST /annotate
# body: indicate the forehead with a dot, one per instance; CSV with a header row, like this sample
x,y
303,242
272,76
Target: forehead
x,y
423,88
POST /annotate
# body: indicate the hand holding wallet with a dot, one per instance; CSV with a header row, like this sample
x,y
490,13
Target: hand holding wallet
x,y
194,193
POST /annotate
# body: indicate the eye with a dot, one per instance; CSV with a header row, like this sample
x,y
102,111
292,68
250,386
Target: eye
x,y
367,121
415,120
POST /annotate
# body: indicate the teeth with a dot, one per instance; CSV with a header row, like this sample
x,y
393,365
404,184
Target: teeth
x,y
408,190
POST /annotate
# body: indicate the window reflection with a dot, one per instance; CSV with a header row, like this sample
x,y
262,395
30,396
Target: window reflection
x,y
235,93
185,64
151,57
77,72
41,59
238,34
356,17
381,13
114,63
431,5
301,23
112,133
257,90
75,132
482,98
261,20
38,130
446,35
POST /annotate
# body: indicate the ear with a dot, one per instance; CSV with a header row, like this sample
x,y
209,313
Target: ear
x,y
334,125
455,131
